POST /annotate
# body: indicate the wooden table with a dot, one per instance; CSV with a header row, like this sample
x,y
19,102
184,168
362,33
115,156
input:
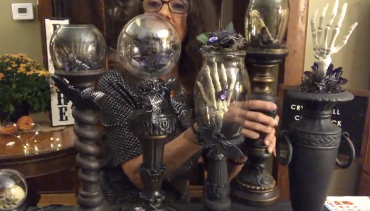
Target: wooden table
x,y
43,159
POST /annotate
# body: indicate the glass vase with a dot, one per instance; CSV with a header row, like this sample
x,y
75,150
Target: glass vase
x,y
221,87
266,23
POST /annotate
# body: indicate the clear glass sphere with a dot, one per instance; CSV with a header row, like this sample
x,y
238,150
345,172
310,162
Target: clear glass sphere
x,y
13,190
221,89
77,48
149,46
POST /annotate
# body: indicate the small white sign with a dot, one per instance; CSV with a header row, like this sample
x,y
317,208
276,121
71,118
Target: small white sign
x,y
22,11
61,107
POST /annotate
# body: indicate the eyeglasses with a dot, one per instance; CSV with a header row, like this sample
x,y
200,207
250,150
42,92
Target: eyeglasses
x,y
175,6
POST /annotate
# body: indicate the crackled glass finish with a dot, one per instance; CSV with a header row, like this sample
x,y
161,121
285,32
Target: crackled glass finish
x,y
266,23
149,46
13,190
77,48
221,88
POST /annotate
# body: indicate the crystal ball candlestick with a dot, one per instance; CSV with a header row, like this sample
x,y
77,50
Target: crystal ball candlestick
x,y
13,191
254,185
78,55
266,25
149,48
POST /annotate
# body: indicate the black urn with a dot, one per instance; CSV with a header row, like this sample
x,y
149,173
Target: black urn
x,y
312,145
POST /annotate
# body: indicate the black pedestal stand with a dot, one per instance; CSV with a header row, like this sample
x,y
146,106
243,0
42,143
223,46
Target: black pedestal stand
x,y
152,135
254,185
217,184
90,196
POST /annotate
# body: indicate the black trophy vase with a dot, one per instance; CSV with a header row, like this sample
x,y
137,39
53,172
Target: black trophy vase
x,y
313,141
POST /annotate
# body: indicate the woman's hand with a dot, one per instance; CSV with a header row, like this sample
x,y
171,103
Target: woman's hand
x,y
256,122
270,139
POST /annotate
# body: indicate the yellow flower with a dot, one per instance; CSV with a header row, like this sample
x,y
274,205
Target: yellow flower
x,y
9,68
1,76
30,72
21,70
54,87
43,73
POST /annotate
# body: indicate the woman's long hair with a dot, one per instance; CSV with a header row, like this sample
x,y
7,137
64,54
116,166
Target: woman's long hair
x,y
201,18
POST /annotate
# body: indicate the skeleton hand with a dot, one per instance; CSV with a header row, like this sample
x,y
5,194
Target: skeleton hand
x,y
323,50
87,98
221,83
260,24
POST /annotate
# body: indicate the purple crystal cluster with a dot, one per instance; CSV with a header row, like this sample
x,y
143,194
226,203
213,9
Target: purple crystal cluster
x,y
331,83
224,39
72,63
222,95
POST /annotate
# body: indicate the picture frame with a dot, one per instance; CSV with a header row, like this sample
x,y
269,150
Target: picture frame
x,y
61,107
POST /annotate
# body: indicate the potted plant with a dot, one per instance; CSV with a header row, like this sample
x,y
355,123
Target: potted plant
x,y
24,87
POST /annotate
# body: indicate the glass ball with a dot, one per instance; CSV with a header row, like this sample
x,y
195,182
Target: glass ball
x,y
149,46
13,190
77,48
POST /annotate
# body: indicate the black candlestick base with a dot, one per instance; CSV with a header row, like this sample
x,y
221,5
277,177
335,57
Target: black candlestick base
x,y
90,197
254,185
152,136
217,184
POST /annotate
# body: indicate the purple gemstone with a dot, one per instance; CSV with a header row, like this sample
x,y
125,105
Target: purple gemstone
x,y
338,72
342,81
308,73
315,64
67,67
314,67
222,95
330,69
142,63
213,39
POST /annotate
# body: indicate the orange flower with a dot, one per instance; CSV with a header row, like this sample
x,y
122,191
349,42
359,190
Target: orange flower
x,y
1,76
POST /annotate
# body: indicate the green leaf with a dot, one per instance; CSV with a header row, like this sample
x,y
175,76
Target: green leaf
x,y
230,27
203,38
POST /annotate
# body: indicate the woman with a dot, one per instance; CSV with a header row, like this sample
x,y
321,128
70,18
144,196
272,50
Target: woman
x,y
120,176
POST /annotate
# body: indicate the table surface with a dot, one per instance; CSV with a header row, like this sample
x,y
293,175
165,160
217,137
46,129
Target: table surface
x,y
282,206
36,144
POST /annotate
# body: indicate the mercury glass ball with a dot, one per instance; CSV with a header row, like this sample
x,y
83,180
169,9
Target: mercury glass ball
x,y
77,48
13,190
149,46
